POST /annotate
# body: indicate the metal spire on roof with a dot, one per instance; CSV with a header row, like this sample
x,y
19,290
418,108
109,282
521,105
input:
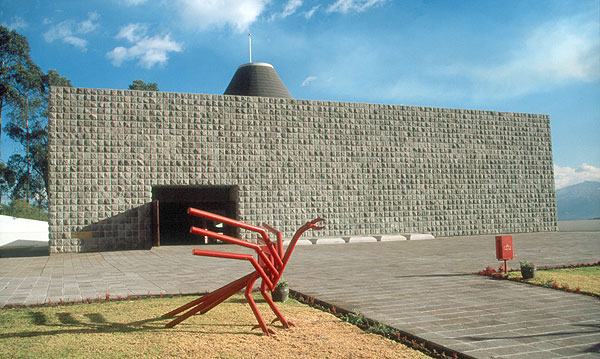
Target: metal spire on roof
x,y
250,45
256,79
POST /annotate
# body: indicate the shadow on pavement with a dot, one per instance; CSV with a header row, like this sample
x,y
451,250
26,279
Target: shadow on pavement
x,y
25,251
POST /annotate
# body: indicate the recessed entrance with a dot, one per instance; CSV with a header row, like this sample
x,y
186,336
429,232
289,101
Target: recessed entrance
x,y
171,223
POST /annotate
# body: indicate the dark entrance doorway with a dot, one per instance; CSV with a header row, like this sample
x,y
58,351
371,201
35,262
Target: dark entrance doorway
x,y
171,221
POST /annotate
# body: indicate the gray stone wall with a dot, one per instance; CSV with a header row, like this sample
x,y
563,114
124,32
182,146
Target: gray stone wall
x,y
366,168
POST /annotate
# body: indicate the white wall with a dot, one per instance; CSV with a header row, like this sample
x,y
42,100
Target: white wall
x,y
18,229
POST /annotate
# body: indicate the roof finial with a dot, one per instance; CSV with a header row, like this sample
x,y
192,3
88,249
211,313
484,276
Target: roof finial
x,y
250,45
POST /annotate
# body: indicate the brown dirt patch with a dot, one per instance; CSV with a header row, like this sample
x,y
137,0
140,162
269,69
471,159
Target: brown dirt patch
x,y
128,329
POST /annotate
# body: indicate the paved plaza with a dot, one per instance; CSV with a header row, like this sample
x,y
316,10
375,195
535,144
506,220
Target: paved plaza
x,y
422,287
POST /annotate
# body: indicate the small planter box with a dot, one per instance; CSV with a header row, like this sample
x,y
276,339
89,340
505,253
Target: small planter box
x,y
280,294
528,272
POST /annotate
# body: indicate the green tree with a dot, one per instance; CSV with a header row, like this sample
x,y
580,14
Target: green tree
x,y
53,78
21,209
29,127
18,73
142,86
26,127
7,180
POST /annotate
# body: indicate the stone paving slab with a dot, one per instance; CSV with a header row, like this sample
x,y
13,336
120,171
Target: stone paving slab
x,y
422,287
426,288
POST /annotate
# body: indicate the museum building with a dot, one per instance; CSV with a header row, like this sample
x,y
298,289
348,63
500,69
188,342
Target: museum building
x,y
125,165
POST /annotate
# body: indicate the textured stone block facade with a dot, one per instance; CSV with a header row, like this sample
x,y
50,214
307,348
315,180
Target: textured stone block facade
x,y
366,168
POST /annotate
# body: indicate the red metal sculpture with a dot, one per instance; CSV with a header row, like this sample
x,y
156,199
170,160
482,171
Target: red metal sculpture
x,y
269,267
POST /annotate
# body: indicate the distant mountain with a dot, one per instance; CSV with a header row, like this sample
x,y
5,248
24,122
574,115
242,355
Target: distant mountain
x,y
579,201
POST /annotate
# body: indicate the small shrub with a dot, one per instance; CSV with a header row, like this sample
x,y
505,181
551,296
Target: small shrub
x,y
488,271
282,282
525,264
356,318
21,209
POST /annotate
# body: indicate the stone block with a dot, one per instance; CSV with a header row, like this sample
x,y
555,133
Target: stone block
x,y
301,242
392,237
362,239
330,240
419,236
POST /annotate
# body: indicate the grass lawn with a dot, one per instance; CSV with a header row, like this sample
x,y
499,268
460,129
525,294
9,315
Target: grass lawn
x,y
587,279
134,329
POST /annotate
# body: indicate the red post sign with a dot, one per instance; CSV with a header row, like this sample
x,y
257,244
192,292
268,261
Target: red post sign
x,y
504,249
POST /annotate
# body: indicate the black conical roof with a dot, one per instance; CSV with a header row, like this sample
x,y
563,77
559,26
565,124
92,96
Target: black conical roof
x,y
257,79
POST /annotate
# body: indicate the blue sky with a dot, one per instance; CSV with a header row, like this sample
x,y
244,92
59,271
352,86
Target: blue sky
x,y
534,56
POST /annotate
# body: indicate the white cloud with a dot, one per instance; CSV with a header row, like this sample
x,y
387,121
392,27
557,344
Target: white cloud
x,y
311,12
206,14
76,41
132,32
70,31
345,6
567,176
16,23
308,80
548,56
148,51
290,8
87,25
551,55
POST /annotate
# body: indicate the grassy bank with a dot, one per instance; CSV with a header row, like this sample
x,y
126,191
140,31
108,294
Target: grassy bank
x,y
134,329
581,280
